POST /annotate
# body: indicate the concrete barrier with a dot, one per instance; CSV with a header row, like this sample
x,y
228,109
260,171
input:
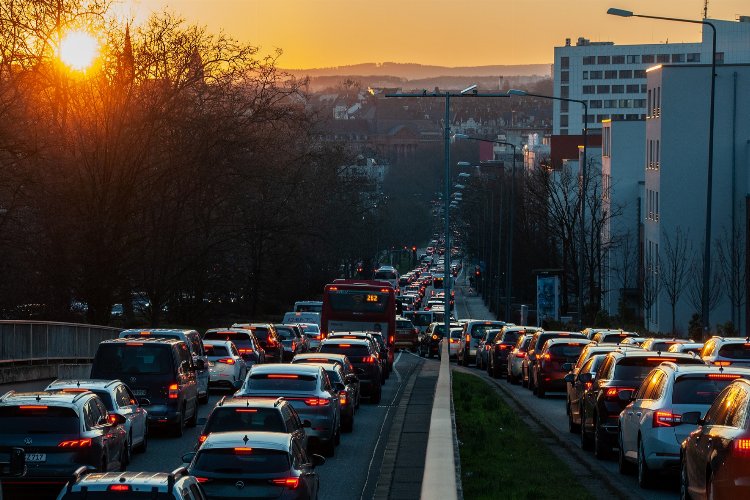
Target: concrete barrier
x,y
439,480
74,371
22,373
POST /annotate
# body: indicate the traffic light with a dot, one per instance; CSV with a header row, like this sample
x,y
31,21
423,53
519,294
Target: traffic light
x,y
414,249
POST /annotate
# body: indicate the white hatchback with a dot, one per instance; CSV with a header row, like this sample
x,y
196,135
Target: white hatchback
x,y
226,367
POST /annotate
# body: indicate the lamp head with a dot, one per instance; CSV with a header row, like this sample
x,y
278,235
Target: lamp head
x,y
464,175
460,137
619,12
516,92
470,88
463,164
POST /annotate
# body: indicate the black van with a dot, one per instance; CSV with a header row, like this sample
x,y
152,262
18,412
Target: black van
x,y
160,372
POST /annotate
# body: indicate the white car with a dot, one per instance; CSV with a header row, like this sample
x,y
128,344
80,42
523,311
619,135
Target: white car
x,y
453,345
118,398
650,426
312,331
225,364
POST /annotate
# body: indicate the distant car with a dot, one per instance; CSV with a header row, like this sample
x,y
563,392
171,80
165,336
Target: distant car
x,y
117,398
473,332
660,345
714,457
225,364
726,351
550,369
407,335
269,340
291,341
175,485
350,378
484,347
453,340
689,347
314,336
501,346
516,357
576,387
364,358
244,340
255,465
529,363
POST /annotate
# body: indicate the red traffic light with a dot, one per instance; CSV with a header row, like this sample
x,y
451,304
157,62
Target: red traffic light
x,y
414,249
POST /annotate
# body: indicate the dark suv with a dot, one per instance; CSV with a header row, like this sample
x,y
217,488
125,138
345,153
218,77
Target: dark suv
x,y
160,372
60,432
500,347
268,338
365,360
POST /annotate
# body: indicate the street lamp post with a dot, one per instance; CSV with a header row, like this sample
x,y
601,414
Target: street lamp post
x,y
470,91
710,167
582,233
509,239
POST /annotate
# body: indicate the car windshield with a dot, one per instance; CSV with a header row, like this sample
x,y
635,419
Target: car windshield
x,y
510,337
244,419
38,419
132,358
240,339
281,382
477,331
735,351
216,350
699,390
422,319
241,460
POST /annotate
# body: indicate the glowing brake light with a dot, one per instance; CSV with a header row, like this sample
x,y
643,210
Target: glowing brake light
x,y
368,359
520,354
665,418
343,398
226,361
661,360
75,443
145,333
289,482
245,351
434,337
173,391
118,487
202,438
282,375
316,402
722,376
246,410
33,407
613,392
133,343
468,338
73,391
741,448
345,345
546,356
202,479
242,450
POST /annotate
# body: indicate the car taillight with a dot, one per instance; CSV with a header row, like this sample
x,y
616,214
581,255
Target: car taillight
x,y
343,398
118,487
316,402
202,438
454,341
468,338
434,337
173,392
226,361
75,443
288,482
414,331
521,354
612,392
665,418
202,479
741,448
546,356
368,359
245,351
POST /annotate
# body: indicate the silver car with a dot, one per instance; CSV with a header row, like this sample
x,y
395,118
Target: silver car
x,y
309,390
516,357
225,364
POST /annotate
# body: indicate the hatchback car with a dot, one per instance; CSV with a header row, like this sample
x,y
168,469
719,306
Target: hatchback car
x,y
117,398
350,379
727,351
175,485
291,341
245,341
225,364
714,457
516,357
650,427
554,363
407,335
254,414
484,347
310,392
474,331
501,346
364,358
60,432
269,340
528,364
255,465
377,342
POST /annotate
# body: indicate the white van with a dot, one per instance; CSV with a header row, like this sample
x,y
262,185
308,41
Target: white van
x,y
387,273
301,317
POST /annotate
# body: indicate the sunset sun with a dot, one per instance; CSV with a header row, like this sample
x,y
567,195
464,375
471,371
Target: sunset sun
x,y
78,49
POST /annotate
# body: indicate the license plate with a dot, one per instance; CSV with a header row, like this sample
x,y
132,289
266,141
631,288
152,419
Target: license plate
x,y
139,392
36,457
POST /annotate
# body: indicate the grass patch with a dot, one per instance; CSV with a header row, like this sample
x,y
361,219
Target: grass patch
x,y
500,456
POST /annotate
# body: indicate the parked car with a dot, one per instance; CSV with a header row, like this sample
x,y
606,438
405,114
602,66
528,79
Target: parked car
x,y
516,357
364,357
268,339
226,367
175,485
651,427
245,341
159,372
553,363
726,351
714,457
502,345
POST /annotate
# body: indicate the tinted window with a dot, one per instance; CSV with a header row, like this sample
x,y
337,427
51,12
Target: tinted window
x,y
402,325
477,330
357,301
216,350
735,351
286,333
544,337
261,333
334,376
134,358
245,419
566,350
636,369
49,420
614,338
510,337
281,382
227,461
422,319
698,390
351,350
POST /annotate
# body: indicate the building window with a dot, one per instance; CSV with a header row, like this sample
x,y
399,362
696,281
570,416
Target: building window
x,y
564,91
618,89
634,59
585,75
662,58
564,62
647,58
656,150
589,60
678,58
648,109
563,120
657,101
610,74
644,86
617,117
639,103
588,118
595,104
564,105
602,89
602,60
632,89
564,77
720,58
610,103
563,131
601,118
632,116
625,103
626,73
595,75
618,59
639,73
694,57
589,89
650,155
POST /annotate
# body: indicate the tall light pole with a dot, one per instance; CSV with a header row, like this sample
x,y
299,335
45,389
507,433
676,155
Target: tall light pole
x,y
509,239
710,167
470,91
582,232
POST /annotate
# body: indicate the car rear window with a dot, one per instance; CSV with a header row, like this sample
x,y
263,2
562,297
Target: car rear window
x,y
216,350
735,351
39,418
245,419
662,345
132,358
281,382
242,461
636,368
510,337
699,390
240,339
568,351
402,325
286,333
615,338
477,330
351,350
544,337
260,332
105,397
422,319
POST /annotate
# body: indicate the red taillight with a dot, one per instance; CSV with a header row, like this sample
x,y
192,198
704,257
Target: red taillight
x,y
665,418
368,359
468,338
75,443
343,398
294,345
173,391
202,479
546,356
415,331
722,376
521,354
316,402
454,341
289,482
487,347
245,351
741,448
612,392
226,361
282,375
33,407
243,450
202,438
118,487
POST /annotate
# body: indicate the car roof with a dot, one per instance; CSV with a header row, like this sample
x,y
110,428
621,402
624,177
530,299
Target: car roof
x,y
640,353
54,397
691,369
340,358
340,340
229,330
143,340
567,340
256,439
138,481
245,401
300,369
251,326
84,383
156,331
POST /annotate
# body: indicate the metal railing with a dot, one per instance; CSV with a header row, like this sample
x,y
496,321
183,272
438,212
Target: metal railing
x,y
43,342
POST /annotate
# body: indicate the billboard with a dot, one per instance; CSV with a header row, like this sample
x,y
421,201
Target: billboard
x,y
547,298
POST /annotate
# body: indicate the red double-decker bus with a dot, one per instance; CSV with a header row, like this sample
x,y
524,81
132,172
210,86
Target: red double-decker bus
x,y
359,305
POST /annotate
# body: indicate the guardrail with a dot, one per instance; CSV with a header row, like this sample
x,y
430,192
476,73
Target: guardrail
x,y
45,342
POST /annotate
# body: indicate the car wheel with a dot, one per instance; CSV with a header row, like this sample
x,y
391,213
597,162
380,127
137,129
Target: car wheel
x,y
337,436
645,476
540,391
125,456
348,425
329,448
104,467
573,428
601,451
585,439
684,484
623,465
193,420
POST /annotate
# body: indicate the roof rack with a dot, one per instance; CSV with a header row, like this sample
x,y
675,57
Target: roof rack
x,y
278,402
174,476
77,474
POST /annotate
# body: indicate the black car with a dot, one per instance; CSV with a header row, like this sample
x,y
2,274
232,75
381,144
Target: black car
x,y
59,432
601,404
378,344
365,360
347,390
247,344
160,372
269,340
500,347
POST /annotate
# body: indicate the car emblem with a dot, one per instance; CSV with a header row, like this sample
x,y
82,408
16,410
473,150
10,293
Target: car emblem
x,y
132,379
27,441
239,485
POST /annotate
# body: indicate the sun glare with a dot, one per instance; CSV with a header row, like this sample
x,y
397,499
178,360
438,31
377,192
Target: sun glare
x,y
78,49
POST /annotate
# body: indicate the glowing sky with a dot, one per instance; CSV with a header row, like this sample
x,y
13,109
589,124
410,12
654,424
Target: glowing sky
x,y
319,33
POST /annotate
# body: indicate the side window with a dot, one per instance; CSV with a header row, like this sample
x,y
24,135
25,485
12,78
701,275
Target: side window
x,y
654,386
122,397
717,413
737,413
94,413
587,366
644,389
234,350
296,455
708,348
184,356
88,415
197,345
603,370
185,493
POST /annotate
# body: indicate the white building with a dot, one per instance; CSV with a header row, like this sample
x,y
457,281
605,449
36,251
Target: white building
x,y
677,129
612,78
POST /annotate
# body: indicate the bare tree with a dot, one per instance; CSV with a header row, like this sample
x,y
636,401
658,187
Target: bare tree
x,y
731,250
695,286
676,268
650,286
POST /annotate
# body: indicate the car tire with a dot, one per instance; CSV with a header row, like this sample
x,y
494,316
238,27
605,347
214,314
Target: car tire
x,y
601,451
623,466
104,466
337,436
586,441
573,428
540,392
193,420
347,425
124,456
329,448
645,475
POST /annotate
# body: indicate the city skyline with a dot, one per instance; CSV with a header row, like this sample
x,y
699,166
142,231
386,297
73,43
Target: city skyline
x,y
313,34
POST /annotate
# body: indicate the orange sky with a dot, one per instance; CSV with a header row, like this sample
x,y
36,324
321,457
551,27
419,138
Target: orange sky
x,y
317,33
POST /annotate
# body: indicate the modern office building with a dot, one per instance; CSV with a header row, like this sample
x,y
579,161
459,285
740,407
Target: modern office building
x,y
612,78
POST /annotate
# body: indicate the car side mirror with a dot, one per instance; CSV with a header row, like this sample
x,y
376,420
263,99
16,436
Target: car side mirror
x,y
570,378
144,402
585,377
567,367
318,460
188,457
626,395
306,423
692,418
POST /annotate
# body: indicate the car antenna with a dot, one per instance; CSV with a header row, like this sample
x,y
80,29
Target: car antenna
x,y
38,397
245,439
721,369
78,383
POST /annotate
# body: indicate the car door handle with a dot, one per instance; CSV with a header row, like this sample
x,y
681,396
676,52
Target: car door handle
x,y
638,414
630,413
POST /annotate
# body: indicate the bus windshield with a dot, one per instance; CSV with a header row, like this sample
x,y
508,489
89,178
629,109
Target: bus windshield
x,y
357,301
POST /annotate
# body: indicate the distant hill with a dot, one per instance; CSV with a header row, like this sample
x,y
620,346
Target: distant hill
x,y
411,71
